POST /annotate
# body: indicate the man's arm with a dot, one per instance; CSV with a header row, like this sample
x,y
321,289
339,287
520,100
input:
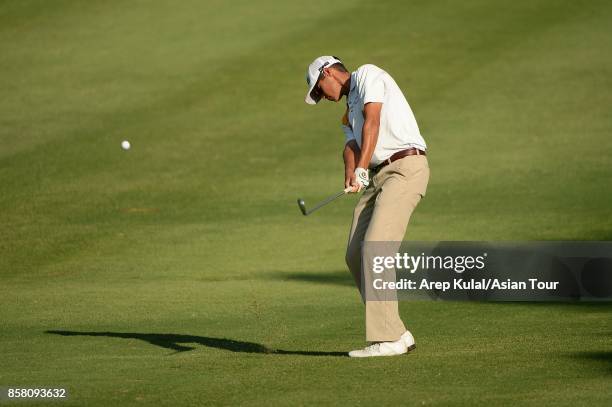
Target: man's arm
x,y
369,133
351,156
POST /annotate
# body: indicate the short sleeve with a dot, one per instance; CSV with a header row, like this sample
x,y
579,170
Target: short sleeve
x,y
374,90
348,133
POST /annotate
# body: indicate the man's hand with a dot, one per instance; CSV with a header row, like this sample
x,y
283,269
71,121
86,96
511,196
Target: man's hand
x,y
360,179
350,182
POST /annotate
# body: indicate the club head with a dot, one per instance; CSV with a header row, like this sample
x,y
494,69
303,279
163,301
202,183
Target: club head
x,y
302,206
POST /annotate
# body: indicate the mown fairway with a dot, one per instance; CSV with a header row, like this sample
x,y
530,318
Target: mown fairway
x,y
181,272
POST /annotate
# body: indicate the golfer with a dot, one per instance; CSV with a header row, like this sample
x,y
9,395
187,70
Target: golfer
x,y
384,156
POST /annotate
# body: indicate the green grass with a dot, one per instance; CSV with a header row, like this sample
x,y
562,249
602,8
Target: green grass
x,y
192,241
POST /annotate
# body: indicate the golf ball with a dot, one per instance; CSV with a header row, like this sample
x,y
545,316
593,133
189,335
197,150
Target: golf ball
x,y
125,145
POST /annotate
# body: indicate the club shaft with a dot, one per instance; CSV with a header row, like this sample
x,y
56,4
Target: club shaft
x,y
325,202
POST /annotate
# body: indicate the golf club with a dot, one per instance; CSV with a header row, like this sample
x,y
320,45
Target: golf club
x,y
305,212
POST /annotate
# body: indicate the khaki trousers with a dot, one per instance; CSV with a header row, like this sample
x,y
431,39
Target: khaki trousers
x,y
382,214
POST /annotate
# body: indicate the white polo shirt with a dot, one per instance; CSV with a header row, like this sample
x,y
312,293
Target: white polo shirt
x,y
398,127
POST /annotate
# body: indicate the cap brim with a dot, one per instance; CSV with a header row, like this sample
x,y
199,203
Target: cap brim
x,y
309,99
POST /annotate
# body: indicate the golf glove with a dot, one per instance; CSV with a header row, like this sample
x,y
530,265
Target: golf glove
x,y
361,176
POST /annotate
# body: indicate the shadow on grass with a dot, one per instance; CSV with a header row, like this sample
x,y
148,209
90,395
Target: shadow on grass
x,y
334,277
175,341
605,358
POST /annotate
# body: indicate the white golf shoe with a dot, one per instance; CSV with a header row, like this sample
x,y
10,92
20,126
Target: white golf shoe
x,y
408,340
403,345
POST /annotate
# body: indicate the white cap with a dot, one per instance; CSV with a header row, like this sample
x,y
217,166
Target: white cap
x,y
314,70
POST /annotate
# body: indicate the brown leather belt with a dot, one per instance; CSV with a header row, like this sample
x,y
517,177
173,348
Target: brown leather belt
x,y
397,156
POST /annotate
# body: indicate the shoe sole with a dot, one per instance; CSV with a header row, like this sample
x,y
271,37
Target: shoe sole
x,y
408,350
